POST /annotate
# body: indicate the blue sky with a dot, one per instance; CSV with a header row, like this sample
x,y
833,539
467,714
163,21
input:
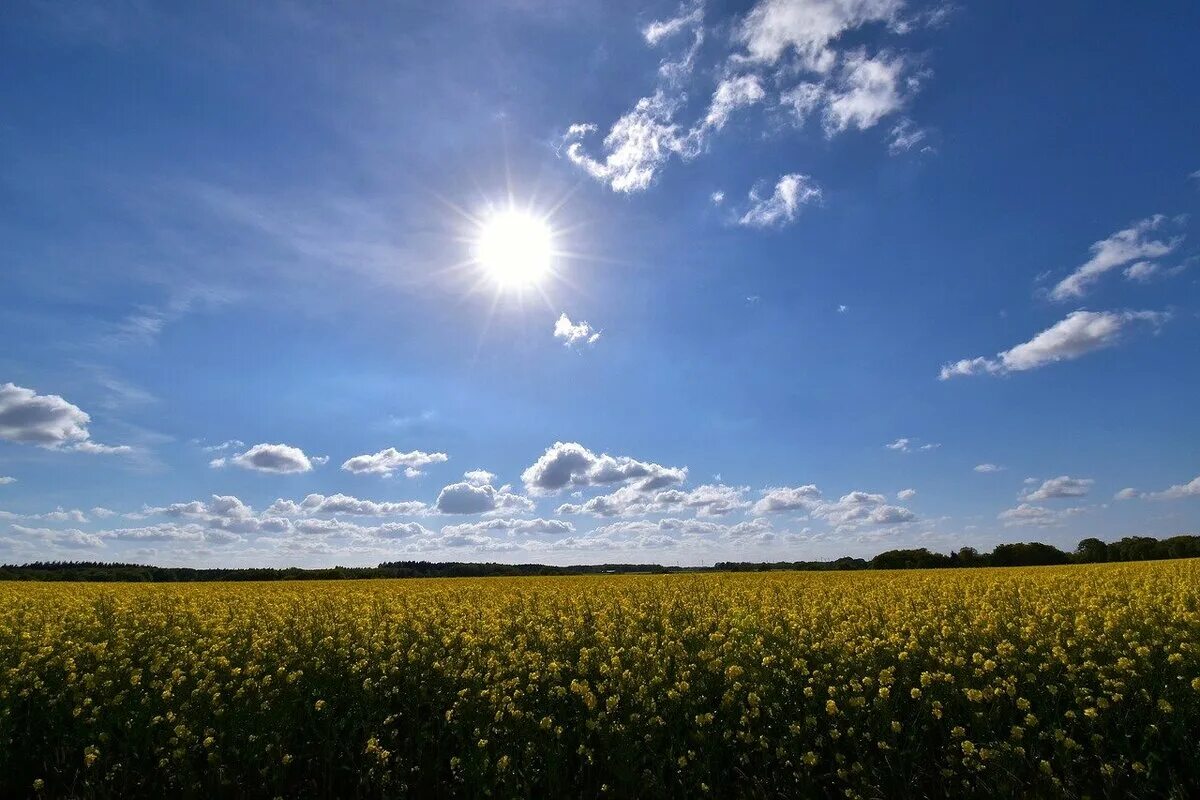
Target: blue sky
x,y
825,277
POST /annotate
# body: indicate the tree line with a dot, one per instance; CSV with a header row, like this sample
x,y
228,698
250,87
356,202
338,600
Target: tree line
x,y
1020,554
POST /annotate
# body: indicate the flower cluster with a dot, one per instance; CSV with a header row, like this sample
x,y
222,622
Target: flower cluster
x,y
1036,682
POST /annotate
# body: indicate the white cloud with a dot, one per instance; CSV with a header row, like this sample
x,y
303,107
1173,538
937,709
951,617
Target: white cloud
x,y
473,498
1178,491
850,512
510,527
103,513
792,191
906,494
709,500
569,464
637,146
345,504
574,333
730,95
782,498
1131,244
1127,494
988,468
776,28
803,99
1026,515
905,135
7,479
62,515
1060,487
280,459
690,15
47,420
1080,333
72,538
717,198
387,462
232,444
908,445
479,476
869,89
1141,271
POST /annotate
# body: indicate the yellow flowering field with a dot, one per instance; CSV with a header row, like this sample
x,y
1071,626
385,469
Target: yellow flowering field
x,y
1067,681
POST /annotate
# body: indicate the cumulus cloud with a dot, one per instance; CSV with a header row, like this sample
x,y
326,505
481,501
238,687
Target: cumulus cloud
x,y
1080,333
231,444
791,193
783,498
869,89
510,527
388,462
73,538
988,468
574,333
1127,494
774,29
279,459
7,479
1176,492
906,494
850,511
479,476
47,420
473,498
709,500
1060,487
1027,515
689,16
345,504
569,464
1138,242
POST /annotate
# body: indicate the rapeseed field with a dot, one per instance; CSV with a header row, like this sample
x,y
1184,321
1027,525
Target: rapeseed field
x,y
1040,682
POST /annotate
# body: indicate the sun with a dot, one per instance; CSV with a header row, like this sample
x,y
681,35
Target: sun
x,y
515,248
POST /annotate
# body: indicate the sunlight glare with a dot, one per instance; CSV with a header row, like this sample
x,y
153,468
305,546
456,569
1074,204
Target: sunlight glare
x,y
514,248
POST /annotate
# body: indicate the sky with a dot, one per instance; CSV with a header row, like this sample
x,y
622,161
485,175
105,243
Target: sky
x,y
575,282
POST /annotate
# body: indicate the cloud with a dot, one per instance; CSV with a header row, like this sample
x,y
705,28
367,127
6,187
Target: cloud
x,y
1060,487
774,42
479,476
574,333
859,508
7,479
226,513
774,29
473,498
387,462
232,444
509,526
1141,271
717,198
1178,491
569,464
782,498
908,445
906,494
792,192
72,538
1026,515
709,500
730,95
1131,244
1080,333
1127,494
869,89
905,135
280,459
988,468
48,421
690,15
345,504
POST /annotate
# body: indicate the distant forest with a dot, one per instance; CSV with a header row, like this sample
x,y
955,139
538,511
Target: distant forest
x,y
1024,554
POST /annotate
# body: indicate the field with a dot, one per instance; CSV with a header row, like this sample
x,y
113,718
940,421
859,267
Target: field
x,y
1069,681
